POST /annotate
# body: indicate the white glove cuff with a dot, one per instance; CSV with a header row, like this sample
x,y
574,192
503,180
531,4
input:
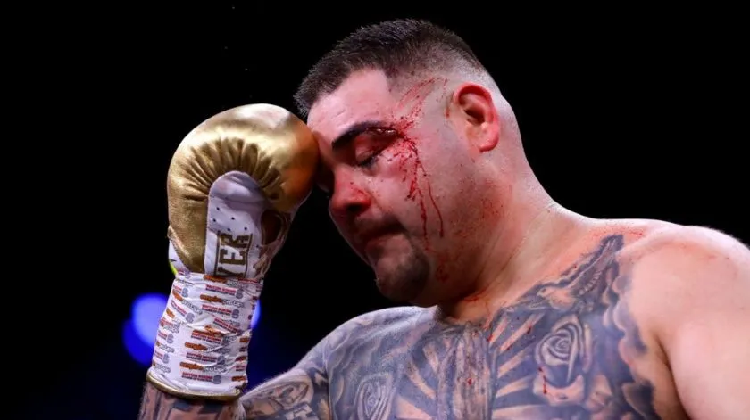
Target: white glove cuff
x,y
201,343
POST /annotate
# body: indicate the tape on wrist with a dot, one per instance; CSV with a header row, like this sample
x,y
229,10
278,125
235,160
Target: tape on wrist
x,y
201,342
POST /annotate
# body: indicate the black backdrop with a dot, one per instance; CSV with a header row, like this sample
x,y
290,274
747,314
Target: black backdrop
x,y
625,113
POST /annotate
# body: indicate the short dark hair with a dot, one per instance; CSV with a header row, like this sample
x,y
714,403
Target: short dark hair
x,y
398,47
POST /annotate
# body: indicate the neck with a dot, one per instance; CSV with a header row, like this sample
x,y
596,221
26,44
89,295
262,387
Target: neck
x,y
531,235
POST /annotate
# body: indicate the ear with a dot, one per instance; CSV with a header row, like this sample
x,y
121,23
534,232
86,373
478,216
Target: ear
x,y
473,110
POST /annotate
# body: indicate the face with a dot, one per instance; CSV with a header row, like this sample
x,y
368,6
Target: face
x,y
405,175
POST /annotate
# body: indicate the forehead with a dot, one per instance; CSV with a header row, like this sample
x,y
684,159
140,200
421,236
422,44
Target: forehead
x,y
363,96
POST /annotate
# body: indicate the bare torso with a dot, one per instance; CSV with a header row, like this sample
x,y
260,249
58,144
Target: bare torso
x,y
598,336
569,348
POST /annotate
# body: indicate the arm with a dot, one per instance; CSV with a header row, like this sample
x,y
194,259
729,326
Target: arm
x,y
706,334
158,405
301,392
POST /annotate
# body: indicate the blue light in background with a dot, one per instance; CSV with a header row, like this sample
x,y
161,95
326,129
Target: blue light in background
x,y
139,350
146,313
139,331
256,315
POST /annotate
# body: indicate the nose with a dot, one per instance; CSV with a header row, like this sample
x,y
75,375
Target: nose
x,y
348,198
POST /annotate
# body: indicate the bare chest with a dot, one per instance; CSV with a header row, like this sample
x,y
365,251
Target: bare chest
x,y
568,348
535,364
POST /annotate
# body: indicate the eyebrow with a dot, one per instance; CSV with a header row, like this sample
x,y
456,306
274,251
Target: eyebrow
x,y
353,131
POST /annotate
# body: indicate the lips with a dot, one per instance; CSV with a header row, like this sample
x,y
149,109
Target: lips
x,y
364,237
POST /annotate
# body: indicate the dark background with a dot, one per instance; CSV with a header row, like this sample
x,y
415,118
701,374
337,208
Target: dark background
x,y
625,113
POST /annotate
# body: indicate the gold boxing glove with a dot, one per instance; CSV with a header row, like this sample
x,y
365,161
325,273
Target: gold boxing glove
x,y
234,185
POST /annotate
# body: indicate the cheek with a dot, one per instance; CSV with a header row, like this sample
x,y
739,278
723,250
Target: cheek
x,y
404,164
411,190
442,186
401,170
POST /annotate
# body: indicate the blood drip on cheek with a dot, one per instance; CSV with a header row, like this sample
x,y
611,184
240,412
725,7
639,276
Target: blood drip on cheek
x,y
410,108
411,165
407,155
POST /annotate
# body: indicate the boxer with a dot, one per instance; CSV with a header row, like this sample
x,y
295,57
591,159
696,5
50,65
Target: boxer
x,y
521,309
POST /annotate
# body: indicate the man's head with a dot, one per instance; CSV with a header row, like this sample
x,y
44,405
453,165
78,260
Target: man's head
x,y
420,153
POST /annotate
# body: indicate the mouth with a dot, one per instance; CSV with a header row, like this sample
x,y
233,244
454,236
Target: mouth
x,y
367,239
374,242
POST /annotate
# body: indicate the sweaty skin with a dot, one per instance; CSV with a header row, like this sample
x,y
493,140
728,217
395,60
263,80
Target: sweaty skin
x,y
582,344
522,310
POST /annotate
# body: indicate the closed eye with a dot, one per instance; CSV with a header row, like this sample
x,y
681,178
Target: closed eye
x,y
378,139
367,163
385,132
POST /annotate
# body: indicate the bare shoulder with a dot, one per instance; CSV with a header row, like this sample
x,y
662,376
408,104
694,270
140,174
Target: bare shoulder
x,y
679,271
689,255
374,326
664,236
659,247
388,316
691,293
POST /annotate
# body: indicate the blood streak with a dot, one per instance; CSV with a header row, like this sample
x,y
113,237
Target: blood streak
x,y
416,191
407,153
434,205
544,379
410,107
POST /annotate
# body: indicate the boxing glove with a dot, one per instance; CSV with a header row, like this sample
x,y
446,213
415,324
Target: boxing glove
x,y
234,185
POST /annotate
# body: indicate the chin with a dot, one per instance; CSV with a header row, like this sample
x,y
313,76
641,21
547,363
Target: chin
x,y
402,279
395,291
406,293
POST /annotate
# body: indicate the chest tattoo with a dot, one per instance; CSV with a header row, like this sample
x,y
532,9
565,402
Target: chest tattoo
x,y
561,351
